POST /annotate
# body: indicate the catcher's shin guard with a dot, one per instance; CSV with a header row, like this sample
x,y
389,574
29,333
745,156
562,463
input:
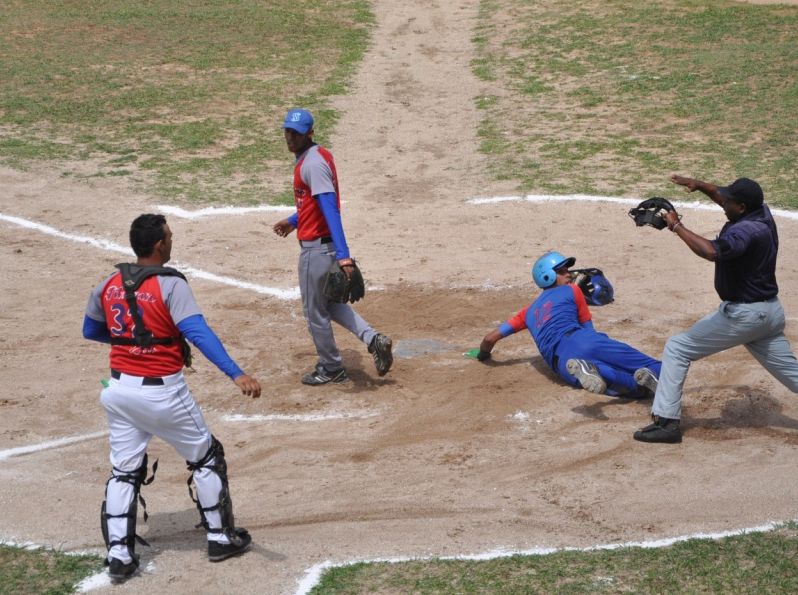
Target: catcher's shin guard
x,y
214,461
136,479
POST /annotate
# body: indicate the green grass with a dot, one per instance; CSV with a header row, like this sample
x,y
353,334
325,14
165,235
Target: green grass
x,y
753,563
43,571
184,97
609,96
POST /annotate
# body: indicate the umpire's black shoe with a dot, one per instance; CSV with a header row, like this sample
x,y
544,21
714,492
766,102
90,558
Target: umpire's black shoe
x,y
239,543
380,349
119,571
320,375
662,430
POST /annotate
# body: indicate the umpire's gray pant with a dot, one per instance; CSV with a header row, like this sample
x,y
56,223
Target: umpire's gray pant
x,y
315,259
758,326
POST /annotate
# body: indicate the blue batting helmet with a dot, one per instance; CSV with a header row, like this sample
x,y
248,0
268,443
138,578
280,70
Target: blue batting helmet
x,y
544,270
600,292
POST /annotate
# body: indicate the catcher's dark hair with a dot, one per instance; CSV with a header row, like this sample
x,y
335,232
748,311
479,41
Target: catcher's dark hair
x,y
145,231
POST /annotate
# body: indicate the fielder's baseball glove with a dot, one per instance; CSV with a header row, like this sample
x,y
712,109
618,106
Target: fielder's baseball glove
x,y
649,212
340,288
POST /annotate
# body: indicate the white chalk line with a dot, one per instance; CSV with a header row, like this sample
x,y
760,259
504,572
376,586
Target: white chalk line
x,y
230,417
283,294
240,417
313,574
543,198
220,211
23,450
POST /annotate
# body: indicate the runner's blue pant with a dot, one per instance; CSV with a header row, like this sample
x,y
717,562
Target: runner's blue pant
x,y
616,361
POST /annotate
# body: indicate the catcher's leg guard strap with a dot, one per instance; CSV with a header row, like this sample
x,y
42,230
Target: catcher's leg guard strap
x,y
122,490
210,479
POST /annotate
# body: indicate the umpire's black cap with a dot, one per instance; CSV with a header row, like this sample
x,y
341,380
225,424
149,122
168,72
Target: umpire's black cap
x,y
745,191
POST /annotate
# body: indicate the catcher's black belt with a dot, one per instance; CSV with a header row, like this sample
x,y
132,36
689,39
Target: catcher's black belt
x,y
145,381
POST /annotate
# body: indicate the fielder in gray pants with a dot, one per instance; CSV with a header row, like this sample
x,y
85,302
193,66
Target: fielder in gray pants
x,y
320,232
750,314
315,259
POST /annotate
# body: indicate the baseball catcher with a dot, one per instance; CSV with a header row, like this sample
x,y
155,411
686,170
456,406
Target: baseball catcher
x,y
342,287
146,311
652,212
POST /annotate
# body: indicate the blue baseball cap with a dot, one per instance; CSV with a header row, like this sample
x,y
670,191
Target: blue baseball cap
x,y
299,120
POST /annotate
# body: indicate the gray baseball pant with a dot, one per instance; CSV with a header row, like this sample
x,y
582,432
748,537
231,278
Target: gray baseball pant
x,y
315,259
758,326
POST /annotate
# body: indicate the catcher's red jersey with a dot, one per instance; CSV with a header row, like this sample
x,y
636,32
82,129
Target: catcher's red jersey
x,y
157,360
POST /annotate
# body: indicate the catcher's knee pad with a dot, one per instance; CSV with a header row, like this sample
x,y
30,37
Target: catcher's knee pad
x,y
135,478
214,461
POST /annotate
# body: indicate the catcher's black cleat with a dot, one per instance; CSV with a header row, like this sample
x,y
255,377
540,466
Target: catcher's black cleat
x,y
647,381
587,374
320,375
238,545
119,571
380,349
662,430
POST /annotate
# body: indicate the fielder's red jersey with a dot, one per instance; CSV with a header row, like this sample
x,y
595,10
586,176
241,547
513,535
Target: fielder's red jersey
x,y
310,219
157,360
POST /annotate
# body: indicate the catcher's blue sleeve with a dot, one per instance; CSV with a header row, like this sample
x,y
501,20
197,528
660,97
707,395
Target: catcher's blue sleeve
x,y
95,330
200,334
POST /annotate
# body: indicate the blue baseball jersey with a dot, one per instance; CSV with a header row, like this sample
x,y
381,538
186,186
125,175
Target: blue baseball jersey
x,y
557,312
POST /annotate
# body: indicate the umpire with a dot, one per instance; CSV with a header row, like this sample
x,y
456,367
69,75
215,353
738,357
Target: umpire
x,y
749,314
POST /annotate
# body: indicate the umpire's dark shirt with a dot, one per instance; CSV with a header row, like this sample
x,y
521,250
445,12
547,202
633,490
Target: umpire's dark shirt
x,y
745,269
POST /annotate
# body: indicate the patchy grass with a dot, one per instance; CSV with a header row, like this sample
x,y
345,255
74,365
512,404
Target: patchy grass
x,y
43,571
184,97
753,563
608,96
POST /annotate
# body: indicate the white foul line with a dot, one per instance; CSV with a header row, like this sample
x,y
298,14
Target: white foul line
x,y
23,450
215,211
238,417
313,574
283,294
543,198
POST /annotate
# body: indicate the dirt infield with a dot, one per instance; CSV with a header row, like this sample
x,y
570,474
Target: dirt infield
x,y
442,456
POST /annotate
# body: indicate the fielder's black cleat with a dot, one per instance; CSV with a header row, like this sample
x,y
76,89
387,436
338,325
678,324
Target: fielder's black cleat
x,y
119,571
587,374
380,349
239,543
320,375
663,430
